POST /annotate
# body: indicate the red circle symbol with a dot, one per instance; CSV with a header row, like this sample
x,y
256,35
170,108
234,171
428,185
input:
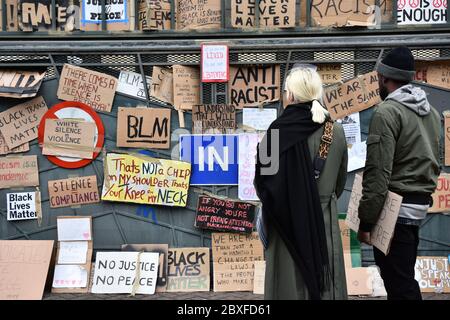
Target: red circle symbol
x,y
401,4
414,3
437,3
57,112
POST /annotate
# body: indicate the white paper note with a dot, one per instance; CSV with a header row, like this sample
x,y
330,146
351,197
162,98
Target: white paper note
x,y
352,128
74,229
357,156
258,119
72,252
70,276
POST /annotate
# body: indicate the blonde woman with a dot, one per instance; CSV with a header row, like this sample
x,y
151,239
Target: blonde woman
x,y
304,258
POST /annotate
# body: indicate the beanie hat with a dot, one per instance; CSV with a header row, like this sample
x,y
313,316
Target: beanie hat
x,y
398,65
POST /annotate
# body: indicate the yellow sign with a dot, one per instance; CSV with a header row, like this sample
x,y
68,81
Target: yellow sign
x,y
142,179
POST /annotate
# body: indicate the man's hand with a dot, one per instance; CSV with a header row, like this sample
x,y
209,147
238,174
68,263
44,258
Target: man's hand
x,y
364,237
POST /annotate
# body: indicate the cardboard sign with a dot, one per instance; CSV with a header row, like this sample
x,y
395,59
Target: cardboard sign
x,y
447,139
214,62
272,14
12,15
37,15
163,251
72,138
23,205
119,15
154,15
383,231
347,13
117,272
441,196
162,85
359,281
19,124
215,213
438,74
214,158
90,87
4,149
251,86
143,128
433,274
258,119
330,73
186,87
213,118
24,266
19,172
352,96
19,83
73,191
132,84
421,12
259,277
142,179
198,14
188,270
248,143
233,260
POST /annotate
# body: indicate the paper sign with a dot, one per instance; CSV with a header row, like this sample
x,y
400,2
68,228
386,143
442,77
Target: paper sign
x,y
341,14
224,214
251,86
23,205
74,229
143,128
5,150
213,118
19,124
116,272
359,281
69,138
70,276
441,196
186,87
118,15
353,96
24,266
198,14
20,84
383,231
86,86
162,85
154,15
19,172
188,270
447,139
433,274
215,67
248,143
258,119
142,179
132,84
259,277
73,191
421,12
272,14
72,252
352,129
356,156
378,289
330,73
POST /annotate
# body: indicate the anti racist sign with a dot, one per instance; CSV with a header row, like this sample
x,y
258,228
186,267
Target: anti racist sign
x,y
4,149
272,14
213,118
143,128
154,15
23,205
215,63
344,13
330,73
224,214
421,12
20,84
441,196
19,172
117,15
198,14
73,191
132,84
433,274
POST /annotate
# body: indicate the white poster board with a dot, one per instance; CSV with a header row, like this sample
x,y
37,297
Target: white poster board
x,y
257,118
132,84
74,229
22,205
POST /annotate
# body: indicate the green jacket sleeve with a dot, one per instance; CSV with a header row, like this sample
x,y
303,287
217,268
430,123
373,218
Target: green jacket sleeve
x,y
381,144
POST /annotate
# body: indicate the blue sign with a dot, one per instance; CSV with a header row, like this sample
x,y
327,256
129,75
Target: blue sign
x,y
214,158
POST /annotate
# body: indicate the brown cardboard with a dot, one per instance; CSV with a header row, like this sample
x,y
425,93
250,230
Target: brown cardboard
x,y
235,276
441,196
37,15
5,150
69,138
352,96
251,86
73,191
143,128
359,281
188,270
186,87
447,139
438,74
162,84
433,274
259,277
198,14
90,87
19,171
326,13
24,265
20,84
12,15
157,15
345,238
215,118
19,124
330,73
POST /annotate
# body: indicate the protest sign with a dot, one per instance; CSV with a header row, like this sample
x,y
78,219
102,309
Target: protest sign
x,y
125,272
215,63
359,281
258,119
198,14
325,13
89,87
259,277
438,74
356,156
72,138
20,83
330,73
215,213
73,191
272,14
352,129
188,270
70,276
24,266
19,172
154,15
447,138
12,15
213,118
421,12
24,205
119,15
19,124
143,128
186,87
251,86
37,15
383,231
74,228
354,95
441,196
72,252
433,274
162,84
350,244
4,149
248,143
214,158
132,84
142,179
163,251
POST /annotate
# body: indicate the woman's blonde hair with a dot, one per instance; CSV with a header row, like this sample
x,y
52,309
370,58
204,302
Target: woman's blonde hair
x,y
305,85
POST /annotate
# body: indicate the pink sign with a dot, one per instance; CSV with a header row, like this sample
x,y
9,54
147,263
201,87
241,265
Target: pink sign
x,y
248,143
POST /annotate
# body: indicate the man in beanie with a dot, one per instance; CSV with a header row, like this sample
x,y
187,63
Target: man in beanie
x,y
402,157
